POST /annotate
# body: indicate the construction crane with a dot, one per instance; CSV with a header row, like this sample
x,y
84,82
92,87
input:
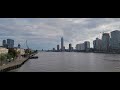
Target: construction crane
x,y
27,45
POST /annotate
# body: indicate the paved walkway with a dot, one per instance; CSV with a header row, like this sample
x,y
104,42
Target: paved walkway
x,y
10,64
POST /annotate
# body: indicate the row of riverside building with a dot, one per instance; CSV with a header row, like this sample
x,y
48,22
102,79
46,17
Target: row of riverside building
x,y
9,43
62,48
83,46
79,47
110,42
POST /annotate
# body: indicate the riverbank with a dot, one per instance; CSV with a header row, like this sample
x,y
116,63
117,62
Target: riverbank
x,y
14,65
95,52
108,52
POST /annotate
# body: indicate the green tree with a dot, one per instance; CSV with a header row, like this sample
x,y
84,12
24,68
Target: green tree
x,y
12,52
9,56
2,58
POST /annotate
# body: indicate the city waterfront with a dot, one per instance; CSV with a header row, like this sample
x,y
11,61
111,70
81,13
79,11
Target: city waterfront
x,y
72,62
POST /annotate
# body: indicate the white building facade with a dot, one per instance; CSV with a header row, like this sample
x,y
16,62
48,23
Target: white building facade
x,y
3,50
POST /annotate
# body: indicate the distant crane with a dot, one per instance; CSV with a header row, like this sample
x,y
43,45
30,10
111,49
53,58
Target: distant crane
x,y
28,50
27,45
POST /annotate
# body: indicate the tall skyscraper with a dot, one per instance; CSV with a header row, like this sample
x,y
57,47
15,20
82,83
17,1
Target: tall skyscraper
x,y
58,48
115,40
97,44
78,47
105,41
87,45
94,44
62,44
4,43
70,47
10,43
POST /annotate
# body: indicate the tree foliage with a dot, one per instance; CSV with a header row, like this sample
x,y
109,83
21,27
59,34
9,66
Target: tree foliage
x,y
12,52
2,58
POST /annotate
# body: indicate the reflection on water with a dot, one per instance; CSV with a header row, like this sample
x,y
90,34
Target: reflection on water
x,y
72,62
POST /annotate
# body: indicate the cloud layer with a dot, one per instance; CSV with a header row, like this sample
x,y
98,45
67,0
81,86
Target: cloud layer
x,y
46,32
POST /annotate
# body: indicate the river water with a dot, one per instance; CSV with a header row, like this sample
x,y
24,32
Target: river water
x,y
72,62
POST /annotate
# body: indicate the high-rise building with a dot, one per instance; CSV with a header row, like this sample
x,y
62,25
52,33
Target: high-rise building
x,y
78,47
63,48
87,45
94,44
105,41
53,49
58,48
97,44
115,40
4,43
10,43
82,46
70,47
62,44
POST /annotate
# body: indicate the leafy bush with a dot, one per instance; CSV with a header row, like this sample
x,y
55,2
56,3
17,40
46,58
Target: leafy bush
x,y
12,52
2,58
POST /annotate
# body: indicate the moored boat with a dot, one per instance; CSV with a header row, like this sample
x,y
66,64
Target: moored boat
x,y
33,57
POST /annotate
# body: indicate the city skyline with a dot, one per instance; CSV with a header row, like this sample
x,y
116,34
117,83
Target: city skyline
x,y
45,33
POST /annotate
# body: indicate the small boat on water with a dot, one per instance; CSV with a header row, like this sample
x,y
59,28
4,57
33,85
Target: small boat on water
x,y
33,57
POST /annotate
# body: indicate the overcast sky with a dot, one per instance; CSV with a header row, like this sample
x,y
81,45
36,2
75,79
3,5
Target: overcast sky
x,y
45,33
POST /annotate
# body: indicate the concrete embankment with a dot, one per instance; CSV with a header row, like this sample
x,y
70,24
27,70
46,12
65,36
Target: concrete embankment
x,y
13,65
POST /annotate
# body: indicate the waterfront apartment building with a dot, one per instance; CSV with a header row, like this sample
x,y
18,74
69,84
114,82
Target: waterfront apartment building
x,y
62,44
70,47
82,46
105,41
10,43
97,44
87,45
58,48
115,40
94,44
78,47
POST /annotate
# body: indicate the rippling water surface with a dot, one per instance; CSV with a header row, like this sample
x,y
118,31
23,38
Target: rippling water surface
x,y
72,62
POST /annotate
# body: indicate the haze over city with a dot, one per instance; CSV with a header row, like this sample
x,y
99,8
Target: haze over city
x,y
45,33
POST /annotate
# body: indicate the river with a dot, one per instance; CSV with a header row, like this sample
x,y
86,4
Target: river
x,y
72,62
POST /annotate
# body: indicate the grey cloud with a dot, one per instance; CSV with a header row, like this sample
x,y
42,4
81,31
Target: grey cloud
x,y
46,32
